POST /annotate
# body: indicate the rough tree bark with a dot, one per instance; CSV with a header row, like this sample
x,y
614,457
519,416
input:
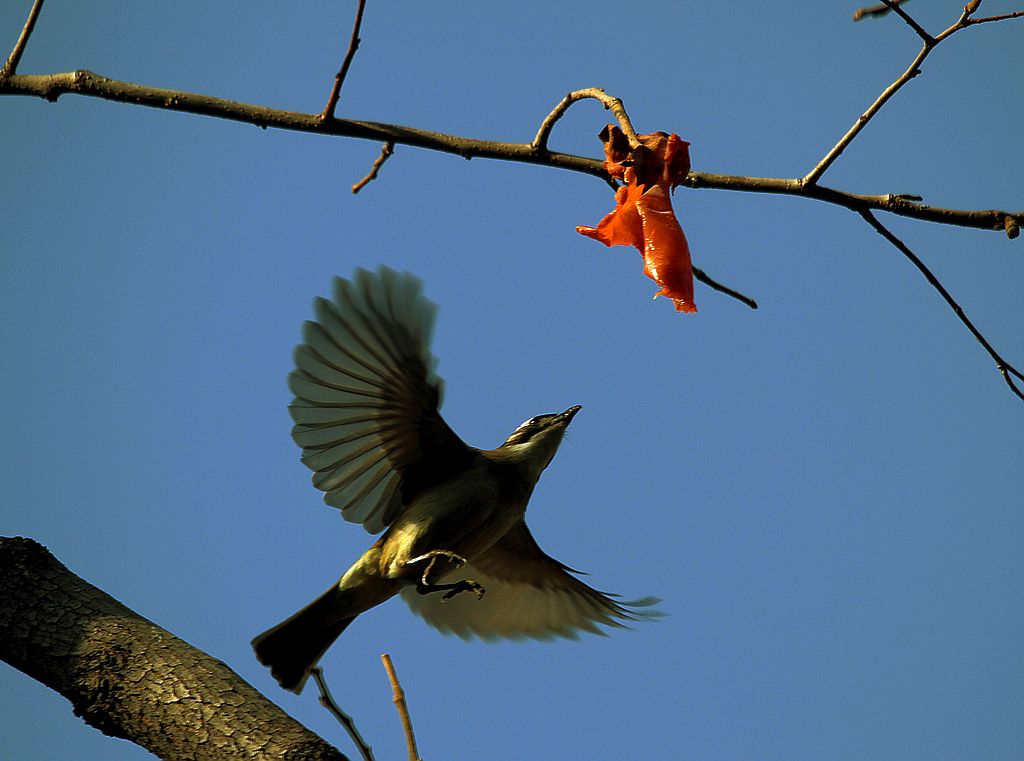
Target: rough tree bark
x,y
130,678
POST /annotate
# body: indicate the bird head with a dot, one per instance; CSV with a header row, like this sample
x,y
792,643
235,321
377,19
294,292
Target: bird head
x,y
534,443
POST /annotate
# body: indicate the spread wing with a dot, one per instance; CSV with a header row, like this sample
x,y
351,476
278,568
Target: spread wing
x,y
529,594
367,398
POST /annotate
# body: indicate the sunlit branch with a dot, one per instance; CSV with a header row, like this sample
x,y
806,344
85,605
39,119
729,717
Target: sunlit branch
x,y
11,66
912,71
386,152
86,83
398,695
540,142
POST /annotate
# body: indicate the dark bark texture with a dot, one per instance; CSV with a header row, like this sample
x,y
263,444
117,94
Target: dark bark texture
x,y
128,677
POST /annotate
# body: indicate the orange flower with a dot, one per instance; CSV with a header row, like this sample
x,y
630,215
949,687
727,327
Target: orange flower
x,y
643,216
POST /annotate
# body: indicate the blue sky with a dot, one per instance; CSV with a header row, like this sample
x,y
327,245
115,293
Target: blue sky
x,y
826,492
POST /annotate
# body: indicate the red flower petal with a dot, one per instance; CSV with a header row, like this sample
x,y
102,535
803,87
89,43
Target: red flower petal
x,y
666,252
643,216
622,227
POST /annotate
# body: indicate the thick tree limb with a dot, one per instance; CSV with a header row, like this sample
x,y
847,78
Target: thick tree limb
x,y
128,677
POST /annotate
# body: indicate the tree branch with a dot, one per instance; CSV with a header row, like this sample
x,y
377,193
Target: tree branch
x,y
82,82
339,78
86,83
11,66
386,151
926,38
327,701
540,142
874,11
930,43
714,285
128,677
1007,370
398,695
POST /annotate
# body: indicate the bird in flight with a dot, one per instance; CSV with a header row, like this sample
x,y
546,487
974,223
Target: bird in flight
x,y
455,543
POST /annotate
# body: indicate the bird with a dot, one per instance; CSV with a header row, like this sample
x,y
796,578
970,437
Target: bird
x,y
455,544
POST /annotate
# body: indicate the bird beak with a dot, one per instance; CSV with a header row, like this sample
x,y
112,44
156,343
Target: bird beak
x,y
569,414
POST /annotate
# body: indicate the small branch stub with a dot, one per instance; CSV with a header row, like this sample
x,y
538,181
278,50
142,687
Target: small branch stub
x,y
386,151
401,707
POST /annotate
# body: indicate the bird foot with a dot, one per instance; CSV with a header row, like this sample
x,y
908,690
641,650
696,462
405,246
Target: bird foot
x,y
456,560
425,586
467,585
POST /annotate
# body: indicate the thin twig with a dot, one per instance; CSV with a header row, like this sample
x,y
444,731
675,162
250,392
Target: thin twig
x,y
339,78
1005,368
918,29
874,11
11,66
912,71
386,151
400,706
700,275
328,702
837,150
987,19
540,142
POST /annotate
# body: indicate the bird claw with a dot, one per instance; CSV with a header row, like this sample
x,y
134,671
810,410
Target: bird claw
x,y
467,585
456,560
425,586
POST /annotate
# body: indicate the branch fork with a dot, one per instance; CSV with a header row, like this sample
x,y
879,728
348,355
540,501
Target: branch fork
x,y
86,83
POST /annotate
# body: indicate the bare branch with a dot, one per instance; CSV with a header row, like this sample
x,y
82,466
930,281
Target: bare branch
x,y
386,151
540,142
401,707
700,275
328,702
987,19
918,29
912,71
339,78
874,11
901,204
11,66
86,83
1005,368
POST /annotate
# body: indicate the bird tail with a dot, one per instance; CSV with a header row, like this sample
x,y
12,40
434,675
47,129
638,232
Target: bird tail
x,y
292,648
